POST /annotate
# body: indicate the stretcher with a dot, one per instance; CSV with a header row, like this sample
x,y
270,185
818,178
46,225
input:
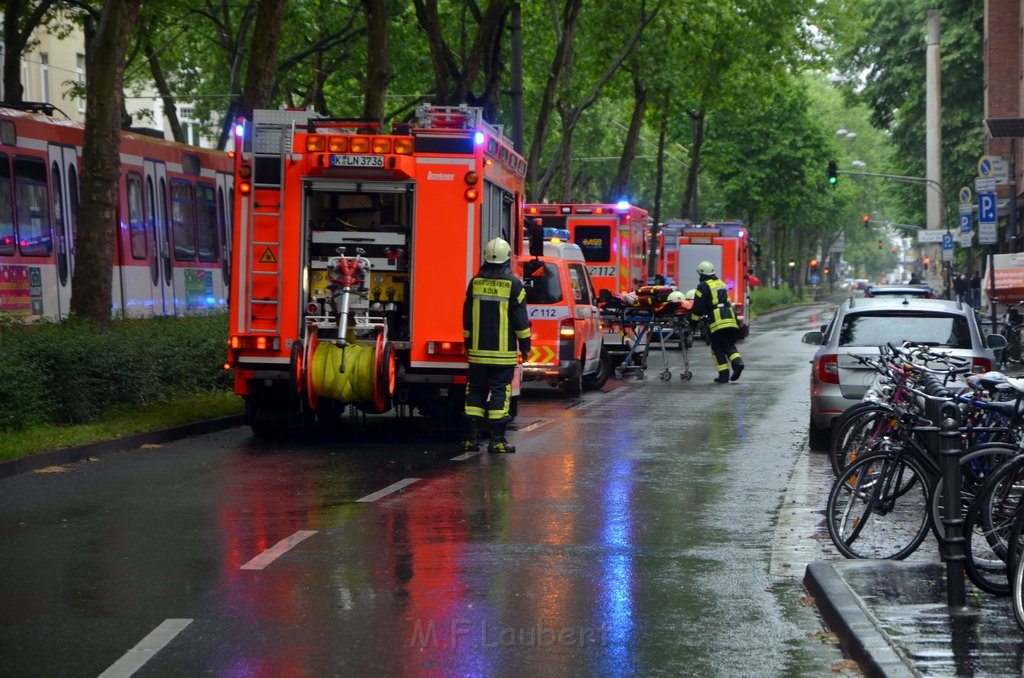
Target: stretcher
x,y
641,324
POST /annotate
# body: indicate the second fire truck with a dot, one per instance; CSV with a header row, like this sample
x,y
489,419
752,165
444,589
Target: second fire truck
x,y
352,251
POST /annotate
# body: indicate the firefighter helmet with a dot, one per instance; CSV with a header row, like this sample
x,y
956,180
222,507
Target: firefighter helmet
x,y
676,296
691,294
706,268
497,251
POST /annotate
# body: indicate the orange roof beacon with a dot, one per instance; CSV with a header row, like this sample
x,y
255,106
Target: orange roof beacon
x,y
726,244
353,248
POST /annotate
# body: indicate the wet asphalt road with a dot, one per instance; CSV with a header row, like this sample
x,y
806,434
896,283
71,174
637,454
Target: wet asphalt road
x,y
649,529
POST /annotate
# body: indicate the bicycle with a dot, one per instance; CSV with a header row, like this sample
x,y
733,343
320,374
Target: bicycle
x,y
883,504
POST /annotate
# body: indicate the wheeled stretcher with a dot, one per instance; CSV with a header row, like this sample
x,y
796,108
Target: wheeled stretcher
x,y
641,324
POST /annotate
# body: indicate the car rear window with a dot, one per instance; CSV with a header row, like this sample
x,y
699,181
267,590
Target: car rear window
x,y
542,287
878,329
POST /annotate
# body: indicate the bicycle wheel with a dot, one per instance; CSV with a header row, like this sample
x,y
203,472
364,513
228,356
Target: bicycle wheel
x,y
1015,543
878,508
859,434
1017,592
976,465
988,526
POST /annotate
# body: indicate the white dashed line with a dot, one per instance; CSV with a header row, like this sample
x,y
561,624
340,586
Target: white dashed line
x,y
277,550
465,455
390,489
135,658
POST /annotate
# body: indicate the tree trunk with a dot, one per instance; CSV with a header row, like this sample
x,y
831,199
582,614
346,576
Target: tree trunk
x,y
659,187
689,208
621,180
562,58
259,78
378,66
170,110
91,296
426,13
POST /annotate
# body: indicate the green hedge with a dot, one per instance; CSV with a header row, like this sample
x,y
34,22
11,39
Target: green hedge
x,y
764,299
73,372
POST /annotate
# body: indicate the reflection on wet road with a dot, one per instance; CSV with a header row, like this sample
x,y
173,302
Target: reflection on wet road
x,y
631,534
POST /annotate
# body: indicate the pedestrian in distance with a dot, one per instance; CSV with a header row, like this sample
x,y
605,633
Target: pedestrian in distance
x,y
962,288
712,305
496,327
976,290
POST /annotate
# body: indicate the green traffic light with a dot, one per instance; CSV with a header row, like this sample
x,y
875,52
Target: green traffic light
x,y
833,172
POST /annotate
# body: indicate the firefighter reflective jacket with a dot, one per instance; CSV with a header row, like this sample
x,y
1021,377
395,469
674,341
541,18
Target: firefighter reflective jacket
x,y
712,301
494,316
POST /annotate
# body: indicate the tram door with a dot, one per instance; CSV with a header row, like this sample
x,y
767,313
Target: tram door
x,y
158,225
64,208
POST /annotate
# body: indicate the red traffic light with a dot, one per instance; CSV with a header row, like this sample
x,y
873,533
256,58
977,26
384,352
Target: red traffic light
x,y
814,262
867,219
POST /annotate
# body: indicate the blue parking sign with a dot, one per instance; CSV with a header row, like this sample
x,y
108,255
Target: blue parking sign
x,y
987,208
947,241
966,222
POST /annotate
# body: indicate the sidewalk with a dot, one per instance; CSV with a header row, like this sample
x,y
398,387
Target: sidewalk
x,y
893,618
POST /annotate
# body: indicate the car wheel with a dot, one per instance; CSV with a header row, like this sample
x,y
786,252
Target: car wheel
x,y
819,440
598,379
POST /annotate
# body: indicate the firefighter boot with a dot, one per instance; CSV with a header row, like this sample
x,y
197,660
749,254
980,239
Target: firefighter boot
x,y
723,377
498,444
471,437
737,368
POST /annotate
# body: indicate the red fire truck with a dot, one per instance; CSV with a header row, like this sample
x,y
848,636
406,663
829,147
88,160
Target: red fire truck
x,y
353,248
613,238
726,244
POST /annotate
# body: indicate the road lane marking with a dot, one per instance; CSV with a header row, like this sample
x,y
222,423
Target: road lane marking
x,y
394,487
277,550
534,426
465,455
135,658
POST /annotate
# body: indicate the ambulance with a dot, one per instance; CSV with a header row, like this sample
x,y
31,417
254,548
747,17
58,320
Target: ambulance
x,y
726,244
567,350
353,247
614,239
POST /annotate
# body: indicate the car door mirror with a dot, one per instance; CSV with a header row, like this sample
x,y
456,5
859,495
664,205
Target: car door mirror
x,y
814,338
995,341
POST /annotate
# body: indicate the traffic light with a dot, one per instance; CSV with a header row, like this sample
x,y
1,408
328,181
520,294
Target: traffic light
x,y
867,220
814,266
879,244
833,173
926,262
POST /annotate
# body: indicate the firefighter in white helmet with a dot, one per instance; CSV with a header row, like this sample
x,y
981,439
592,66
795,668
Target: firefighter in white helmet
x,y
496,327
711,303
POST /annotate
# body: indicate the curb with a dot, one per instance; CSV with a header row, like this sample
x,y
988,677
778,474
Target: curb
x,y
858,634
69,455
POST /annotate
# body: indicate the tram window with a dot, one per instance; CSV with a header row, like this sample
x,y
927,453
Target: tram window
x,y
136,217
183,221
63,273
6,208
73,204
33,207
206,222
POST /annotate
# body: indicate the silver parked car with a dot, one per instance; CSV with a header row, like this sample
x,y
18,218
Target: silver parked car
x,y
860,326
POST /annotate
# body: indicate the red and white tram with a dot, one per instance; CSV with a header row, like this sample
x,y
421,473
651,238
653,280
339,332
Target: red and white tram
x,y
172,239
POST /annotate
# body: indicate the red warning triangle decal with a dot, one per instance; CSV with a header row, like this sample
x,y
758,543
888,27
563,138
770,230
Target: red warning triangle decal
x,y
268,257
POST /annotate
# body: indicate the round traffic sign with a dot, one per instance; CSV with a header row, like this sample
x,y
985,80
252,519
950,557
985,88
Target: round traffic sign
x,y
965,194
984,166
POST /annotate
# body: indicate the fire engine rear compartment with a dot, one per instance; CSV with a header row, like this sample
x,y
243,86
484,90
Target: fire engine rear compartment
x,y
353,267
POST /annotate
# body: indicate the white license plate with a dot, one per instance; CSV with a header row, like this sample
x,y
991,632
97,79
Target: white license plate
x,y
357,161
